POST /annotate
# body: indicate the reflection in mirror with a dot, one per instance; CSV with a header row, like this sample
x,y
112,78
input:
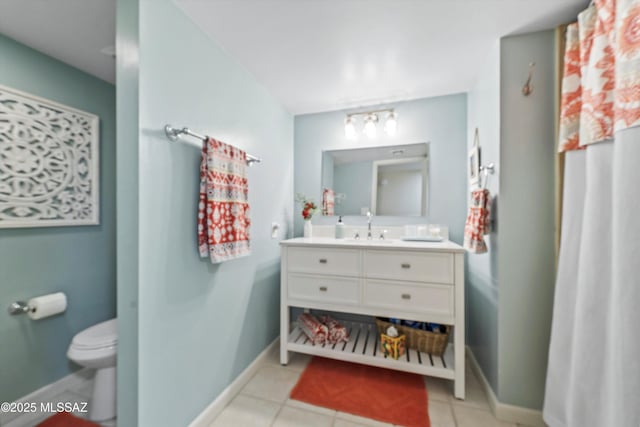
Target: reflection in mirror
x,y
390,180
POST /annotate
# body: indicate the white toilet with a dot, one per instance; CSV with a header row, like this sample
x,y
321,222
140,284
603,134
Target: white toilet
x,y
95,347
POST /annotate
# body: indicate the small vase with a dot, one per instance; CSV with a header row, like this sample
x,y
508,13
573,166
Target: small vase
x,y
308,228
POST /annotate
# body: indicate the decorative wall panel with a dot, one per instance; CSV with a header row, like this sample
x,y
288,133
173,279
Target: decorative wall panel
x,y
49,160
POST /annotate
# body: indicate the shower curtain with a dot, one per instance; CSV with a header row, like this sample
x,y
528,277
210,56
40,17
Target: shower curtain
x,y
593,376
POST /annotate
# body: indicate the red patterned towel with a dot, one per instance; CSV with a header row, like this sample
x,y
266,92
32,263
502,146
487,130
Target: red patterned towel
x,y
223,208
337,332
328,202
477,224
313,328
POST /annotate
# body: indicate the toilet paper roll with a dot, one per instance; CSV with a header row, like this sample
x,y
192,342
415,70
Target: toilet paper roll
x,y
47,305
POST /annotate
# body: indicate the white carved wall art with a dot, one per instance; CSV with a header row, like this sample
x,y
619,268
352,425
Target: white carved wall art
x,y
48,163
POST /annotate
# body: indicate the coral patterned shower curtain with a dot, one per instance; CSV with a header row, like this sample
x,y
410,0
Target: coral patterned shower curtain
x,y
593,377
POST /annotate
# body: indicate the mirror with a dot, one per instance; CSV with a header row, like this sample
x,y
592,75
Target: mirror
x,y
390,180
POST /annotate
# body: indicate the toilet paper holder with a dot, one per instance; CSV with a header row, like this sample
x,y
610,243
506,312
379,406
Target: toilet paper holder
x,y
18,307
40,307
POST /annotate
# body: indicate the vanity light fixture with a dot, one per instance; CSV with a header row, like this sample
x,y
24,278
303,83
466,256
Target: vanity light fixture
x,y
370,122
350,128
391,125
370,128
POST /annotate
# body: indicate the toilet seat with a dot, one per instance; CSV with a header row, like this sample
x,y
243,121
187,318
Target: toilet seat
x,y
101,336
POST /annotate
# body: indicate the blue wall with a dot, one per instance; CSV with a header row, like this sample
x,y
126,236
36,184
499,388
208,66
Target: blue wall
x,y
127,76
198,325
526,216
482,289
442,121
80,261
510,289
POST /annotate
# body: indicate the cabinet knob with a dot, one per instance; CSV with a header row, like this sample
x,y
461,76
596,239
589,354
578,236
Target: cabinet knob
x,y
323,289
406,265
323,260
406,296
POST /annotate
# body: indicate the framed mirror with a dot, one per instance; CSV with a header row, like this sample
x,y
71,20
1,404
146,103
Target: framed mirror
x,y
388,180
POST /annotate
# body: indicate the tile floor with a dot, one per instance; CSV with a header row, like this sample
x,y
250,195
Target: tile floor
x,y
264,402
78,393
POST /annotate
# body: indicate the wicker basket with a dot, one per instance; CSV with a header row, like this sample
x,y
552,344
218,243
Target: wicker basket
x,y
434,343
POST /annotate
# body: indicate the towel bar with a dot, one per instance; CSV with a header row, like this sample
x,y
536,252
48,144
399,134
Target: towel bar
x,y
174,135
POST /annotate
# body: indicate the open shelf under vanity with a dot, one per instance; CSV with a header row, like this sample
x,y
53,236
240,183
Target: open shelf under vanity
x,y
364,347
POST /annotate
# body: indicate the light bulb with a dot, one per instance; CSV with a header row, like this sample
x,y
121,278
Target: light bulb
x,y
391,125
350,128
370,128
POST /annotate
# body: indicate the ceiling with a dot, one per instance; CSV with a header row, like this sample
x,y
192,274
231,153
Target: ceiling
x,y
73,31
320,55
313,55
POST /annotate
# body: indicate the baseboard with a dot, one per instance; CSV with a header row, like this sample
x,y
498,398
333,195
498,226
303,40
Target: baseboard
x,y
210,413
44,394
504,411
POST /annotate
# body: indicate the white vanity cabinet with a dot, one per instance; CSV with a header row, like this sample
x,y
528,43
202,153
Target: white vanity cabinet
x,y
419,281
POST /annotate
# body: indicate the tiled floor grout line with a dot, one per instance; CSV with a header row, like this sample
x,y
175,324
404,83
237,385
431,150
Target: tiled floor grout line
x,y
453,415
257,397
333,421
277,414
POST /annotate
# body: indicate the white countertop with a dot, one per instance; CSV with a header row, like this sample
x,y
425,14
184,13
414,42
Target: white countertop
x,y
444,246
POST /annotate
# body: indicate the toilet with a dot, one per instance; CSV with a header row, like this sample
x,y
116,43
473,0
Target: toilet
x,y
95,348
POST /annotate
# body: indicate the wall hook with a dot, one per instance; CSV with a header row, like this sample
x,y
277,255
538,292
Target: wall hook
x,y
488,169
527,89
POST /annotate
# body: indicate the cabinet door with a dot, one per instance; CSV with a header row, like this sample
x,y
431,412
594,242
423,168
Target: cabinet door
x,y
431,267
337,262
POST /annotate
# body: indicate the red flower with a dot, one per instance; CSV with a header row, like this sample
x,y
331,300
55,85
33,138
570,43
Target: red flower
x,y
308,207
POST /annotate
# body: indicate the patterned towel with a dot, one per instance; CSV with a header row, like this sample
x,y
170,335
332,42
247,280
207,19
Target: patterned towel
x,y
477,224
223,208
328,202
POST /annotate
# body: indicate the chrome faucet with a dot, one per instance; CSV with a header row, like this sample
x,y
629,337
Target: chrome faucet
x,y
369,237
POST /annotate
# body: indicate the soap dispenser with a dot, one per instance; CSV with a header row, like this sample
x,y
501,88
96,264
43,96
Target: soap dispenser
x,y
340,229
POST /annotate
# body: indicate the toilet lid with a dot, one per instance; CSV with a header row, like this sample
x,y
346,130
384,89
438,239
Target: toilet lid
x,y
103,334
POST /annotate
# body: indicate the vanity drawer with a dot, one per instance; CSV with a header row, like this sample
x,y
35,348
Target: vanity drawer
x,y
339,262
437,299
323,288
432,267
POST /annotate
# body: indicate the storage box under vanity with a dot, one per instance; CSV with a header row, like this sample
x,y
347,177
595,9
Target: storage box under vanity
x,y
393,347
431,342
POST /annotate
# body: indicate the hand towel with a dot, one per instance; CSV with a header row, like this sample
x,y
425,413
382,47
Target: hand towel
x,y
313,328
223,207
477,224
337,331
328,202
